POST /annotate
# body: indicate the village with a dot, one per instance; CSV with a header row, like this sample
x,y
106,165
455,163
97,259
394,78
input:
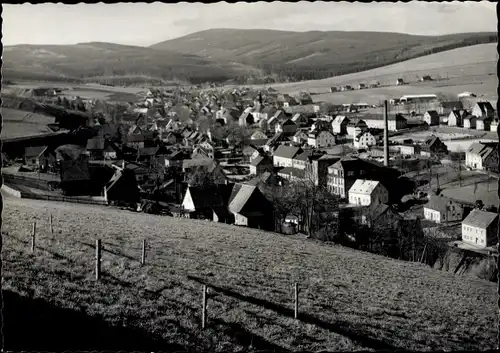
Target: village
x,y
227,156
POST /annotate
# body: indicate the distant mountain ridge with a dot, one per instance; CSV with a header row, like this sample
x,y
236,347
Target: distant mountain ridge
x,y
316,54
222,55
96,61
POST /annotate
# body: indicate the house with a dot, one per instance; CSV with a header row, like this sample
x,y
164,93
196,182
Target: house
x,y
354,128
361,86
246,119
39,156
266,178
339,124
409,149
172,138
367,192
148,154
333,89
200,202
267,112
470,122
300,120
433,145
283,156
250,207
431,117
320,124
300,160
258,135
441,209
248,152
483,109
292,174
394,122
483,123
261,164
494,125
365,139
300,137
378,214
374,84
343,173
480,228
425,78
456,117
478,154
209,167
275,141
320,139
317,167
95,147
400,82
288,127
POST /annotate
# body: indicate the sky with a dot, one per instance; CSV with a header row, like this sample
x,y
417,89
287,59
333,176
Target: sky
x,y
145,24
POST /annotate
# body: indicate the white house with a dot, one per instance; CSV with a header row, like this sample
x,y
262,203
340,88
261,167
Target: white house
x,y
365,140
483,109
356,128
494,125
441,209
477,155
367,192
339,124
283,156
321,138
470,122
300,120
479,228
300,137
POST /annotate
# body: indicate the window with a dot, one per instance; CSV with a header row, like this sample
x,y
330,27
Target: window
x,y
350,173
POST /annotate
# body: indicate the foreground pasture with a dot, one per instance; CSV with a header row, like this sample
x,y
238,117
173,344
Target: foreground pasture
x,y
349,300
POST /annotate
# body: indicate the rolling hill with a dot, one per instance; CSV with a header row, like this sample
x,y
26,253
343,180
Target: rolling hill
x,y
315,54
106,61
349,300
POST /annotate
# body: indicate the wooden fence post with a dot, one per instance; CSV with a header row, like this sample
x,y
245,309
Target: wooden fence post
x,y
143,257
51,224
97,259
33,236
204,312
296,290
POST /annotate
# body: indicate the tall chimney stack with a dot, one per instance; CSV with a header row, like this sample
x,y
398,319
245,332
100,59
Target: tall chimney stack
x,y
386,135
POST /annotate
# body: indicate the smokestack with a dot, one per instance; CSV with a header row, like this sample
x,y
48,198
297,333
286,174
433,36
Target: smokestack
x,y
386,135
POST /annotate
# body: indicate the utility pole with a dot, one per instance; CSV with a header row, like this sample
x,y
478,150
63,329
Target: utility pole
x,y
386,135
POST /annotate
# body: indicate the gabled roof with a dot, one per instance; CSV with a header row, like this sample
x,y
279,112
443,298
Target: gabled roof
x,y
480,219
433,114
295,172
339,119
303,156
287,151
470,117
365,187
480,149
211,195
439,203
288,122
485,107
261,159
315,133
240,195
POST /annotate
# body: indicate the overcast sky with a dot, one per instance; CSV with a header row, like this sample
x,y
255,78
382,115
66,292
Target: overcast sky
x,y
146,24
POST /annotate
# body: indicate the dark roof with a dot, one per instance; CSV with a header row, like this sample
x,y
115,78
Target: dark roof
x,y
287,151
433,114
288,122
295,172
480,219
216,195
261,159
76,170
485,106
439,203
32,152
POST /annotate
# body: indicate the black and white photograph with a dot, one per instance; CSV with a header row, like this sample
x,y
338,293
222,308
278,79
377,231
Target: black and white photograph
x,y
250,177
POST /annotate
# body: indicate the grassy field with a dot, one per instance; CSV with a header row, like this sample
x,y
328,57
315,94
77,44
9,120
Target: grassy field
x,y
18,123
349,300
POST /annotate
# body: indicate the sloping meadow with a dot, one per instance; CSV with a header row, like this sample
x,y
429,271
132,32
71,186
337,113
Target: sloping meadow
x,y
348,300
